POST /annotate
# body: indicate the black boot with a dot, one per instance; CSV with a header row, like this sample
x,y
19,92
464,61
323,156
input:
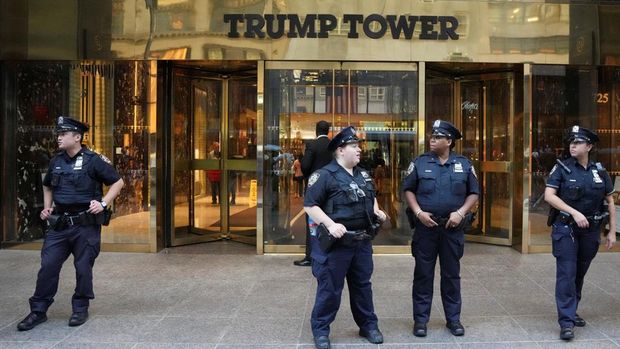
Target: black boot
x,y
322,342
419,329
78,319
31,321
456,328
567,333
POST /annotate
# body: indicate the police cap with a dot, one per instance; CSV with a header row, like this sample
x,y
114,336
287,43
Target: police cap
x,y
583,134
65,124
445,129
344,137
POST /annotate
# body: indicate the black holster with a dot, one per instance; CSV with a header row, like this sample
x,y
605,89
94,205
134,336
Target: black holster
x,y
326,240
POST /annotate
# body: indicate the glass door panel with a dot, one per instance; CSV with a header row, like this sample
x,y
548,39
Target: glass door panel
x,y
381,101
486,108
240,165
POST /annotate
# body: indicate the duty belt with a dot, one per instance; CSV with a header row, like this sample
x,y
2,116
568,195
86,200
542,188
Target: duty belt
x,y
82,218
441,221
593,219
358,235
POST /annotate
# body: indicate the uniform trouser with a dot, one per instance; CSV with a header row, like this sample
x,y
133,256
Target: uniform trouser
x,y
355,264
308,243
84,243
427,244
573,249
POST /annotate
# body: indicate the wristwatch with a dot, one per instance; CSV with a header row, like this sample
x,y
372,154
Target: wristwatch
x,y
103,204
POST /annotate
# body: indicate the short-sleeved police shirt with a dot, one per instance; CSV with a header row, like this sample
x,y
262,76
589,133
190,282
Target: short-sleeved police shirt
x,y
583,189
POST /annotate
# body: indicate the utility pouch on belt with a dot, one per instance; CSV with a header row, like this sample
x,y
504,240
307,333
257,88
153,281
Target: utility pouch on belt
x,y
326,240
468,220
565,217
104,217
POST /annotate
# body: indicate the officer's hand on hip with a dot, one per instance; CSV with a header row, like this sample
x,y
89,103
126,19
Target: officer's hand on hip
x,y
426,219
381,215
45,213
454,220
337,230
580,219
611,240
95,207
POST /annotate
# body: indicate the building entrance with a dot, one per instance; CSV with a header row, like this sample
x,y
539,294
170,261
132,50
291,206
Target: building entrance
x,y
213,154
484,101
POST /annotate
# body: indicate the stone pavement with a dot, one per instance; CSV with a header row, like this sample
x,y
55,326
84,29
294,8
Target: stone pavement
x,y
223,296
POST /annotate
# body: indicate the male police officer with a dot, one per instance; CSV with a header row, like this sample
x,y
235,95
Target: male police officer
x,y
316,156
440,189
577,189
341,199
74,184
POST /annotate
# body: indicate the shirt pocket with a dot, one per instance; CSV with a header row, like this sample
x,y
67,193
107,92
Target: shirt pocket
x,y
458,183
427,184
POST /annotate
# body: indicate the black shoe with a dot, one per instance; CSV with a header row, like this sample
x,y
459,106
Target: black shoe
x,y
579,321
322,342
419,329
456,328
373,336
31,321
567,333
306,262
77,319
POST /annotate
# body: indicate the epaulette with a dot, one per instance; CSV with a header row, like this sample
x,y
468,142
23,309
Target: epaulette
x,y
559,162
600,167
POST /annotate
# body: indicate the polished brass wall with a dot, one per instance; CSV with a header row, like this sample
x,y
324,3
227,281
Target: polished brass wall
x,y
489,31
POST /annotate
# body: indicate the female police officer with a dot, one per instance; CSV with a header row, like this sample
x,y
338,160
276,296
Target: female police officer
x,y
440,189
577,189
74,184
341,198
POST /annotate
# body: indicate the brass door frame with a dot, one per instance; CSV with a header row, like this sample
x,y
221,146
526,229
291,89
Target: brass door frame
x,y
491,166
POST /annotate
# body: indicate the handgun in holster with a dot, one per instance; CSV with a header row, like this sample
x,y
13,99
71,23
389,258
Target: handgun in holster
x,y
553,214
56,222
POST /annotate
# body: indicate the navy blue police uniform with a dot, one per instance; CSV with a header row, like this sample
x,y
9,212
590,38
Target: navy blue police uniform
x,y
584,189
74,182
439,190
349,200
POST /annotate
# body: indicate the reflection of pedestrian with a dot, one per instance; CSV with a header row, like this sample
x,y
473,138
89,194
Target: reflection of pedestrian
x,y
577,190
440,189
315,157
340,197
232,186
214,176
73,183
298,177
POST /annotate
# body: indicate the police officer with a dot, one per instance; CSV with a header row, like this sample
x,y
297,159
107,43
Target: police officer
x,y
440,190
74,184
341,198
577,189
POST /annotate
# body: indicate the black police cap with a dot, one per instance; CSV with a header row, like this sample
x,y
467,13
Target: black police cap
x,y
344,137
580,133
66,124
445,129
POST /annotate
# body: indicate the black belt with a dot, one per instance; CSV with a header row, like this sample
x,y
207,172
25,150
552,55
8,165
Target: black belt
x,y
441,221
81,218
358,235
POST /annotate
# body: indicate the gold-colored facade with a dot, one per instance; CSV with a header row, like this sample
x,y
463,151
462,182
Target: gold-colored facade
x,y
179,102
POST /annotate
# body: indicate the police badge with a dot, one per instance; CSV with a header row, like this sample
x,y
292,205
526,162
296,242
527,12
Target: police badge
x,y
313,178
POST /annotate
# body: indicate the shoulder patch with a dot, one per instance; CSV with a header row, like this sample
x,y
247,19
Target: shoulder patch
x,y
473,171
313,178
600,167
410,168
104,158
553,169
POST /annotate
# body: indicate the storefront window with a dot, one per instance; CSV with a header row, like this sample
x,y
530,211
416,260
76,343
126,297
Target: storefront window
x,y
114,99
381,105
563,96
